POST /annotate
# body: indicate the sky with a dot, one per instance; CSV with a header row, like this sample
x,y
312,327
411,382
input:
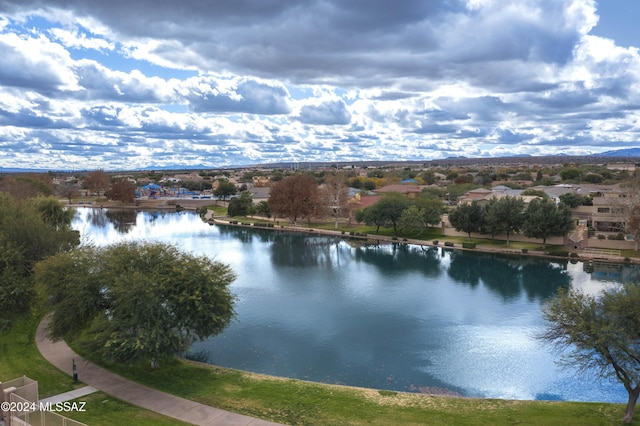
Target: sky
x,y
137,84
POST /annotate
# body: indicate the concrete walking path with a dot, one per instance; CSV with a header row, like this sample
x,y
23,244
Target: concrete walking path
x,y
63,357
68,396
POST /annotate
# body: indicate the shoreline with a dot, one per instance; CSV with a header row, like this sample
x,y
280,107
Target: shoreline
x,y
195,204
423,243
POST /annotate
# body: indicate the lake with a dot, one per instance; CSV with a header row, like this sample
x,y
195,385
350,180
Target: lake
x,y
390,316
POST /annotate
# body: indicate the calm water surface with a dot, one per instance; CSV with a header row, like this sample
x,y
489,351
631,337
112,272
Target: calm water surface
x,y
392,317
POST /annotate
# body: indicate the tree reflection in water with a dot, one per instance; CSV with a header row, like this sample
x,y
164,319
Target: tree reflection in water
x,y
509,276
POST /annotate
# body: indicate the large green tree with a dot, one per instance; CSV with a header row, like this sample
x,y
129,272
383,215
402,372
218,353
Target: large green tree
x,y
145,301
573,200
425,211
242,205
432,206
387,211
467,218
30,230
504,216
544,219
600,333
262,208
225,189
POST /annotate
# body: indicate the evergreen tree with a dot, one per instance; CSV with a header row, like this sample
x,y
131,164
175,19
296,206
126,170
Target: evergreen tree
x,y
504,216
146,301
467,218
544,219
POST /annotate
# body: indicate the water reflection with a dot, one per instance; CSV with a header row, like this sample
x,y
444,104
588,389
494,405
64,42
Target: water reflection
x,y
394,259
509,276
392,316
123,220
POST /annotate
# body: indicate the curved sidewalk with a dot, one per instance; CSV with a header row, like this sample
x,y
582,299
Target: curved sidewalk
x,y
61,355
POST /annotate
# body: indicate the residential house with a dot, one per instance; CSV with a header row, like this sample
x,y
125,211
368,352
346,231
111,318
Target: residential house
x,y
480,195
609,210
261,181
483,195
409,190
629,167
189,177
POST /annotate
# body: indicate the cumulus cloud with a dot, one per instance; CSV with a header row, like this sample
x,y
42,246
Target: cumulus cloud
x,y
341,40
244,95
325,113
79,40
34,63
240,81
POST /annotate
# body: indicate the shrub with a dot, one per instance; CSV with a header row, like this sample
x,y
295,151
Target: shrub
x,y
601,237
469,245
448,243
618,237
574,255
198,356
524,250
435,242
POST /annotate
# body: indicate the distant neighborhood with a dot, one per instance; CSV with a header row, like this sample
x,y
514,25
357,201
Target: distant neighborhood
x,y
604,198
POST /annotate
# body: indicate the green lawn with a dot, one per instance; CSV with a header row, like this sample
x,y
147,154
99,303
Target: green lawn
x,y
104,410
217,210
305,403
19,357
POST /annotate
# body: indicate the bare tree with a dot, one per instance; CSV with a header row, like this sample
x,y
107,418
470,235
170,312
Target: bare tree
x,y
334,194
27,185
97,181
69,191
631,207
295,197
122,190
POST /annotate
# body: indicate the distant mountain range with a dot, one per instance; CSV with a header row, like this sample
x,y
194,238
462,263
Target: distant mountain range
x,y
619,153
629,152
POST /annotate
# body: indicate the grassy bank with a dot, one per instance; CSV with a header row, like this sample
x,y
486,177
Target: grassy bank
x,y
19,357
305,403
